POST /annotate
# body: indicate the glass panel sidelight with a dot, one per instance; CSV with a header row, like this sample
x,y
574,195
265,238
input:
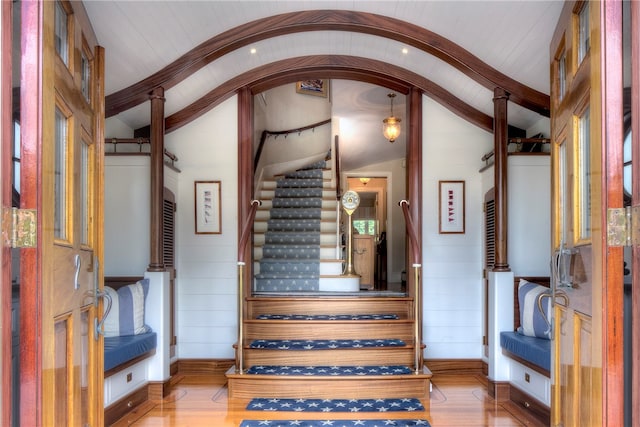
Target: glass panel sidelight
x,y
86,165
60,182
584,177
561,201
85,74
583,32
62,33
562,75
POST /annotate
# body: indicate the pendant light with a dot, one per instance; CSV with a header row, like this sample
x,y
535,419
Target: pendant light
x,y
391,125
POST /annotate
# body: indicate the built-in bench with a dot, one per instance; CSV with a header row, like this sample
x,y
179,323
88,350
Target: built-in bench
x,y
126,361
530,358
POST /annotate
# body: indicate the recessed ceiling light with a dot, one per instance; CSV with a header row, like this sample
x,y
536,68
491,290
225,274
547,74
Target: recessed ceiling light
x,y
253,50
405,50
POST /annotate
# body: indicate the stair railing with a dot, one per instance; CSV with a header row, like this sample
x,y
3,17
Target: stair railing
x,y
415,251
242,246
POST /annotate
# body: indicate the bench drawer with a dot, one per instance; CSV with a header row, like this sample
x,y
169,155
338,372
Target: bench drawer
x,y
531,382
124,382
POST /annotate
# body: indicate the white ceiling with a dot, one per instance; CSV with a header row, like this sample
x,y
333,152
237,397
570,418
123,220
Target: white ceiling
x,y
142,37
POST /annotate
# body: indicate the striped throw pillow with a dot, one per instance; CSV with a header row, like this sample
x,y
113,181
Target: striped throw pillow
x,y
533,322
127,316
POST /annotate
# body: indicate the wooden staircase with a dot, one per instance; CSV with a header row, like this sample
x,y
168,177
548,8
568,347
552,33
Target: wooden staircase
x,y
414,384
396,323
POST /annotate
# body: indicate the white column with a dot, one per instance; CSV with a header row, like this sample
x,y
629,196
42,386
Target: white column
x,y
500,319
157,316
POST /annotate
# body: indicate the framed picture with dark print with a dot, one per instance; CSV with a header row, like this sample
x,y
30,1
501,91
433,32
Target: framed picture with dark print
x,y
207,207
318,87
451,207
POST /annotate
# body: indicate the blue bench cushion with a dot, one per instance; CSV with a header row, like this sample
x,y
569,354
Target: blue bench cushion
x,y
119,350
531,349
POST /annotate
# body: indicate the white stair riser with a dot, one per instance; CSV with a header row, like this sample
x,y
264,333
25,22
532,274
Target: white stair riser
x,y
339,284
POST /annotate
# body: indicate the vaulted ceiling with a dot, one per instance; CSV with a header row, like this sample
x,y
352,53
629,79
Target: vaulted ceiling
x,y
455,51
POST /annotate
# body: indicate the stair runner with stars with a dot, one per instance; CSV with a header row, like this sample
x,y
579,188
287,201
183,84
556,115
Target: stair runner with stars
x,y
291,253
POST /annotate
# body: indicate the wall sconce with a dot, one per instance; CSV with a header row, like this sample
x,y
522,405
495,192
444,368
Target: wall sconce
x,y
391,125
365,180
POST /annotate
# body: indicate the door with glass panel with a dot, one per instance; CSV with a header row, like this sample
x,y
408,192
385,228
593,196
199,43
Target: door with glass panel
x,y
576,215
71,216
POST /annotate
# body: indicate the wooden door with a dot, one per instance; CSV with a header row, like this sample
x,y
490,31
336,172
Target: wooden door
x,y
586,183
62,98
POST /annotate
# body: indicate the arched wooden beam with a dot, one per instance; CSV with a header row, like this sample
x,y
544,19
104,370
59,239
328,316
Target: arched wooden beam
x,y
329,67
327,20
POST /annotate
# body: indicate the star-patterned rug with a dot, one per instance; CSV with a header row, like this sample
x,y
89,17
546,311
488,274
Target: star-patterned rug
x,y
324,344
335,405
377,316
328,370
336,423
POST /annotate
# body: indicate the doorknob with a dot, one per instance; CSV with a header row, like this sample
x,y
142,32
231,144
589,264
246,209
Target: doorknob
x,y
97,295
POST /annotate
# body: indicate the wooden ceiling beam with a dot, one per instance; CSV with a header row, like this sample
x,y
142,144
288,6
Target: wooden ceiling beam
x,y
329,67
327,20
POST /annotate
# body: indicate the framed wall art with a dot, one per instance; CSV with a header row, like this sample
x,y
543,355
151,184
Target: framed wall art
x,y
318,87
207,207
451,205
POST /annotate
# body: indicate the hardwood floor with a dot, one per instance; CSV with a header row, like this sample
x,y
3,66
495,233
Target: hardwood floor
x,y
201,400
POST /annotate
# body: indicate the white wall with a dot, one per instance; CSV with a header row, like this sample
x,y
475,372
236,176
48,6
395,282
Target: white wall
x,y
452,263
206,265
206,283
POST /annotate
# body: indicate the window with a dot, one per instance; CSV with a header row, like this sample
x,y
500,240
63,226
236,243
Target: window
x,y
583,32
62,33
562,75
85,72
584,176
60,171
365,226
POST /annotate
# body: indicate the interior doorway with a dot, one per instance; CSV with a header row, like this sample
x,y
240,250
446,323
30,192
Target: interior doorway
x,y
370,219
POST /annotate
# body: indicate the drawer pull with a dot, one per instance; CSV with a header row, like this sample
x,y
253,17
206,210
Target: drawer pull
x,y
526,404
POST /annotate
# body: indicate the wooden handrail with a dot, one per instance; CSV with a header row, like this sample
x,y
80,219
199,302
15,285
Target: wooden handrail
x,y
417,318
246,230
266,133
242,244
411,231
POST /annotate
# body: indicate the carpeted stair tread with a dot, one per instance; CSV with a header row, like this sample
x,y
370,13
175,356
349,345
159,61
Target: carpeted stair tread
x,y
329,371
290,237
300,183
298,192
335,405
280,284
305,173
387,422
295,213
375,316
276,253
296,202
325,344
303,225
